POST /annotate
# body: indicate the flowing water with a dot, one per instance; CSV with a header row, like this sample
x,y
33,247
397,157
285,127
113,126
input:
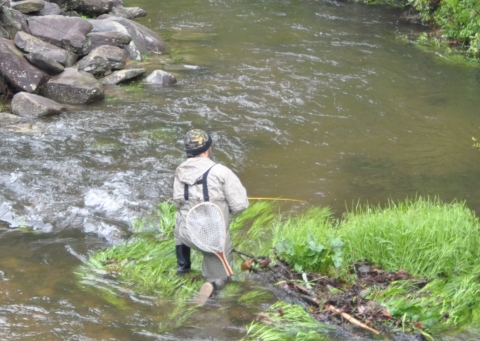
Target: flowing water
x,y
323,101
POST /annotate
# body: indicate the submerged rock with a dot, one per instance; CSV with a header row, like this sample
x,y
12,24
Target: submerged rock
x,y
69,33
122,76
30,105
73,87
31,44
103,60
28,6
160,77
17,70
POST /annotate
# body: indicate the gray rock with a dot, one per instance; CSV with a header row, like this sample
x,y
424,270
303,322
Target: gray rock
x,y
97,39
103,60
17,70
122,76
31,44
44,63
30,105
65,32
28,6
73,87
94,7
49,9
128,12
12,21
160,77
143,41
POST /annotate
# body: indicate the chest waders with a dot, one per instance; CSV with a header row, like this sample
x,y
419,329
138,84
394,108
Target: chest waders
x,y
183,251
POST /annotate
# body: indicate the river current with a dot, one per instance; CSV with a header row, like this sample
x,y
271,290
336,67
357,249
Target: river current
x,y
323,101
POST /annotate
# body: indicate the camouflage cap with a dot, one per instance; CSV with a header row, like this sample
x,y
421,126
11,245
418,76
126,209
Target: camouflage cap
x,y
197,142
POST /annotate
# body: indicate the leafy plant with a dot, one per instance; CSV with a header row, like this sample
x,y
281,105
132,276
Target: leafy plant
x,y
311,255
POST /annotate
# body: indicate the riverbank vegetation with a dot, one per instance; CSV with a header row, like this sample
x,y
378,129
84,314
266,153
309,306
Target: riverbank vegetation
x,y
455,25
409,267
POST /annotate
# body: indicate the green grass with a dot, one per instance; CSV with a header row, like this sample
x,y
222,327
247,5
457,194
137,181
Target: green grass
x,y
425,237
287,322
429,239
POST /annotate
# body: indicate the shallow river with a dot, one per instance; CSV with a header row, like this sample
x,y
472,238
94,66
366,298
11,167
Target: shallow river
x,y
323,101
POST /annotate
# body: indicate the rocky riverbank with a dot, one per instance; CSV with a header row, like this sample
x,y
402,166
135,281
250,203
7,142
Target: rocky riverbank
x,y
63,52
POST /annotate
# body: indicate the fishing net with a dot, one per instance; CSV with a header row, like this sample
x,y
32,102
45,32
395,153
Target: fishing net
x,y
207,227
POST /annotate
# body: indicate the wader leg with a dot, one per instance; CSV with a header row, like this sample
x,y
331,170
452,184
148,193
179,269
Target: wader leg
x,y
183,258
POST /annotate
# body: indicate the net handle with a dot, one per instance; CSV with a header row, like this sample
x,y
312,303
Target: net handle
x,y
221,254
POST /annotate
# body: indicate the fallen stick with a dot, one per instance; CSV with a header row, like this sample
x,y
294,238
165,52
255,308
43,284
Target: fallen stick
x,y
352,320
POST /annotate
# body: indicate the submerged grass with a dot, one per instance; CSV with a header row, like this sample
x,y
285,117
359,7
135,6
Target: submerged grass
x,y
287,322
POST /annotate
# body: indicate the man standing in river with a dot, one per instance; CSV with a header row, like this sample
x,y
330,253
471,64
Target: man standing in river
x,y
224,189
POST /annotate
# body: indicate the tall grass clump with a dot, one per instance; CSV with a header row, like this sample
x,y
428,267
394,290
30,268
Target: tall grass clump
x,y
425,237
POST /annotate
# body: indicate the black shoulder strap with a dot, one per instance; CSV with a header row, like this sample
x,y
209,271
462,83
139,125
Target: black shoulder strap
x,y
202,181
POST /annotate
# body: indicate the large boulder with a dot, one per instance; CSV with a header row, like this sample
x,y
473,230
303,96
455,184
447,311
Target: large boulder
x,y
31,44
97,39
73,87
44,63
69,33
28,6
17,70
122,76
143,41
12,21
160,77
103,60
30,105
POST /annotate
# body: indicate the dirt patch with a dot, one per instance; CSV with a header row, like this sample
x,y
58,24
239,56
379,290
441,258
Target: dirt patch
x,y
333,301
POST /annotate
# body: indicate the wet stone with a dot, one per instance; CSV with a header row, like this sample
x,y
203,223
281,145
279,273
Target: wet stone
x,y
73,87
160,77
30,105
122,76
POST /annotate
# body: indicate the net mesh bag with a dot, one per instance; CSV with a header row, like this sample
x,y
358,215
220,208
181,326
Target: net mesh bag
x,y
207,227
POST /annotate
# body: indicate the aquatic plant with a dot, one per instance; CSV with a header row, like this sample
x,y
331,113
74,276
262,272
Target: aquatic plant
x,y
284,321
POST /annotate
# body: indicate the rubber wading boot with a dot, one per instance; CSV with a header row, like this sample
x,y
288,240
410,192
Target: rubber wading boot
x,y
206,290
183,258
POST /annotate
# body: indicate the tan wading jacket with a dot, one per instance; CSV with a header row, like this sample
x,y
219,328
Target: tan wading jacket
x,y
224,189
